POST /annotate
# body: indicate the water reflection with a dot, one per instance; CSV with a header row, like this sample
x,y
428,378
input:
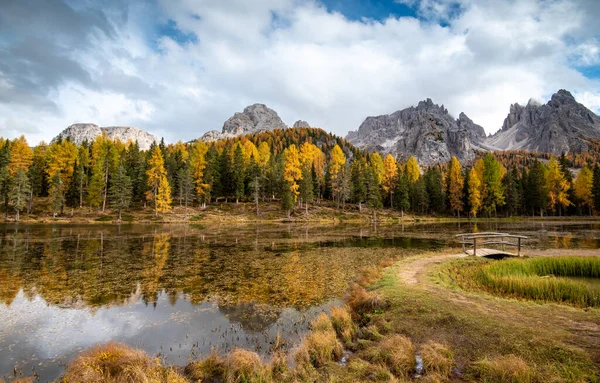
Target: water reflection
x,y
177,291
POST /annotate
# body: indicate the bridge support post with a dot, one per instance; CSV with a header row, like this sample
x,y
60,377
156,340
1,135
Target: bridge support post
x,y
519,247
474,247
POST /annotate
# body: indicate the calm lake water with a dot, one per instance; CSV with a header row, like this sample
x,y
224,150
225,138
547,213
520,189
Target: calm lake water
x,y
178,291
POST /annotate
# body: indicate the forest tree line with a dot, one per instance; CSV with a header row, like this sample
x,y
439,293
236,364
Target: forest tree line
x,y
297,167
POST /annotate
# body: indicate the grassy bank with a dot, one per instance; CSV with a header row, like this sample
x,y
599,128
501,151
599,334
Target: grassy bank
x,y
547,279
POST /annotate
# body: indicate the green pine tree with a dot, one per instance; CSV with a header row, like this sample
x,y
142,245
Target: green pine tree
x,y
596,188
238,173
19,191
120,190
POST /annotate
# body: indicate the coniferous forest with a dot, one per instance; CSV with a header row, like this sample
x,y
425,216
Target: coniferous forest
x,y
296,168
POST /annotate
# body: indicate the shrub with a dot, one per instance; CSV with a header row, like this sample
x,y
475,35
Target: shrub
x,y
437,359
503,369
117,362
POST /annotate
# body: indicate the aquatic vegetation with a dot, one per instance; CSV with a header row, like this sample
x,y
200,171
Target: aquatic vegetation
x,y
503,369
548,279
115,363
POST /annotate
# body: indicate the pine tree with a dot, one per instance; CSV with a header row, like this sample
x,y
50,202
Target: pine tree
x,y
557,187
19,191
474,192
455,186
212,176
37,174
419,197
120,191
359,187
435,190
512,191
491,178
160,191
583,188
536,192
373,191
57,195
401,194
238,173
596,188
306,187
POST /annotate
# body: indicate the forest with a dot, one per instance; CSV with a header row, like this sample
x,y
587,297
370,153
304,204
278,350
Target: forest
x,y
297,168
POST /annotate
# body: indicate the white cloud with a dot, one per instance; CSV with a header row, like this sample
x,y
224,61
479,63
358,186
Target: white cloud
x,y
308,63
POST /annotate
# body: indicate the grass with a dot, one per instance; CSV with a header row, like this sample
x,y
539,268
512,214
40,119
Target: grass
x,y
547,279
397,352
438,360
321,344
504,369
116,363
343,325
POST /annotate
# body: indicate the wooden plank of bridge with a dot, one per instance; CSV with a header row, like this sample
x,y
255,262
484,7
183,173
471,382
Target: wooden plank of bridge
x,y
487,252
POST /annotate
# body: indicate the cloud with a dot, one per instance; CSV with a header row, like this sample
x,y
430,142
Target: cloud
x,y
179,68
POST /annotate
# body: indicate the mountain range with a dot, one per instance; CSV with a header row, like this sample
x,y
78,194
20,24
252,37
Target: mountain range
x,y
426,131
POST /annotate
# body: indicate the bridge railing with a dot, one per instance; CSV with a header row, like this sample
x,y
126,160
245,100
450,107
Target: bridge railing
x,y
490,238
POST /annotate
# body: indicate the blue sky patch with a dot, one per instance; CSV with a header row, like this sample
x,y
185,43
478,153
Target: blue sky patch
x,y
371,9
170,30
592,72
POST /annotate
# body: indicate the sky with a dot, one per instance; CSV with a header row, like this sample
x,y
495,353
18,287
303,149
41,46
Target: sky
x,y
178,68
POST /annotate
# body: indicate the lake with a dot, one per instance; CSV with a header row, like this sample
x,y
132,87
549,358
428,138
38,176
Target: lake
x,y
178,291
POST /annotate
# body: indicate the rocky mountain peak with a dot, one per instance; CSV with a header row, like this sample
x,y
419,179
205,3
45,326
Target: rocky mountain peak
x,y
80,132
301,124
562,125
426,131
255,118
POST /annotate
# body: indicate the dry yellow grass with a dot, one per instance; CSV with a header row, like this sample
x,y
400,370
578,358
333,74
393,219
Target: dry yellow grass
x,y
211,367
115,363
245,366
503,369
397,352
362,301
437,359
343,324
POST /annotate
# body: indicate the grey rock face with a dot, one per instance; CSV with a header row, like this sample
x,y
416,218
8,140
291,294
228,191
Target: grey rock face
x,y
562,125
88,132
255,118
426,131
301,124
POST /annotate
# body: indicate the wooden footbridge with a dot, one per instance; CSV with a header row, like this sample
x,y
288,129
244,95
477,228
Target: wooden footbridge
x,y
478,242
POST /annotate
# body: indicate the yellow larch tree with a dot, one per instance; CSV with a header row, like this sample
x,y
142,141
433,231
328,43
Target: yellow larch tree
x,y
557,186
337,161
292,169
197,156
378,167
583,186
160,190
21,155
455,182
412,169
390,174
474,192
249,150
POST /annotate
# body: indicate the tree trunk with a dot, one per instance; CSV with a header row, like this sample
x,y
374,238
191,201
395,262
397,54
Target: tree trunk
x,y
17,215
306,208
105,187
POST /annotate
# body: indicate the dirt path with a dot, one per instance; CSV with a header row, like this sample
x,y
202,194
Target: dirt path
x,y
412,270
